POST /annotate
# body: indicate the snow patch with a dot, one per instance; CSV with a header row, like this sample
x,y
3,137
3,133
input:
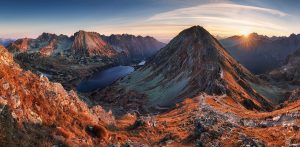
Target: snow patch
x,y
142,63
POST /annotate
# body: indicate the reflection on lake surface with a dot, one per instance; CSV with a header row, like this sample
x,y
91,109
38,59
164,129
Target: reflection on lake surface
x,y
104,78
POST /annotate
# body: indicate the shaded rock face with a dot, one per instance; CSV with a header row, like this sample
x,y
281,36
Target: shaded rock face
x,y
192,63
37,112
90,44
290,72
134,47
253,50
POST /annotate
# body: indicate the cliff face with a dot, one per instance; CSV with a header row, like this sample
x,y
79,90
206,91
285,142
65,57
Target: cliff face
x,y
36,112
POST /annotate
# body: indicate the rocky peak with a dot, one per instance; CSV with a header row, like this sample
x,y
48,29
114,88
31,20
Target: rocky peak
x,y
47,37
293,35
194,47
90,44
20,45
256,36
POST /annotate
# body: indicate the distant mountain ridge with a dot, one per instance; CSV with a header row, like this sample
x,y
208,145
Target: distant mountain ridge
x,y
136,47
261,53
5,42
84,43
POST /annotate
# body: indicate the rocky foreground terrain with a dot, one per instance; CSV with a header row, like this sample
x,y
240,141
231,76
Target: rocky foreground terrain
x,y
198,95
36,112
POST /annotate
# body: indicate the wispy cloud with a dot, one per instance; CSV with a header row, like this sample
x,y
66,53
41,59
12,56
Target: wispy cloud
x,y
213,9
223,19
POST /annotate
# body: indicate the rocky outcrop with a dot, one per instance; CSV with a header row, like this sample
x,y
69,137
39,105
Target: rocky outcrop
x,y
134,47
36,112
254,49
192,63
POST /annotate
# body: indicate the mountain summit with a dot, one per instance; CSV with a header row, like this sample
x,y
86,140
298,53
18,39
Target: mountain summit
x,y
89,43
193,62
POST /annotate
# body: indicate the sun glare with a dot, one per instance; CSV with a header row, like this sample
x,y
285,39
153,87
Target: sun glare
x,y
245,33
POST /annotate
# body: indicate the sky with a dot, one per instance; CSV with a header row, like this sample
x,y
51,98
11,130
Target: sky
x,y
162,19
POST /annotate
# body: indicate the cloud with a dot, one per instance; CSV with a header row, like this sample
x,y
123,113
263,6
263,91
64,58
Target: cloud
x,y
213,9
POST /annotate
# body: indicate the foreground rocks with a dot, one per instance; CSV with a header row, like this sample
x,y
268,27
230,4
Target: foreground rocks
x,y
36,112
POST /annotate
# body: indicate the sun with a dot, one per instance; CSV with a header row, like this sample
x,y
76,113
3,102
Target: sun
x,y
245,33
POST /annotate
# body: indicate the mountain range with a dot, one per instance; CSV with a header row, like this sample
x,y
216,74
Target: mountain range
x,y
192,92
89,44
261,54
